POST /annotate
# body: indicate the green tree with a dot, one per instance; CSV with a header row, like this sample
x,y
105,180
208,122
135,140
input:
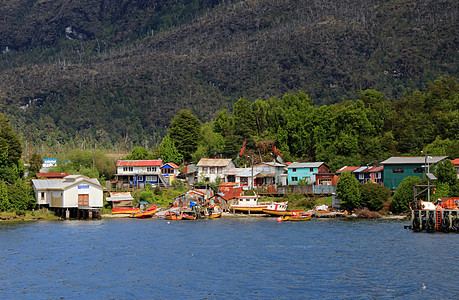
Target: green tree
x,y
405,194
244,119
373,195
21,196
4,201
168,152
185,131
348,191
35,164
445,172
139,153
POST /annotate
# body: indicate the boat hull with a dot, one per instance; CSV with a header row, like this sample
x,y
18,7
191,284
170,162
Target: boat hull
x,y
296,218
148,213
125,210
214,215
248,209
273,212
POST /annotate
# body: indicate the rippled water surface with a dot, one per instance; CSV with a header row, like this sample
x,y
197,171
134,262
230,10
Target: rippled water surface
x,y
225,258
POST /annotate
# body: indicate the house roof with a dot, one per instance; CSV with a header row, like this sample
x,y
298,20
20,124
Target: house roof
x,y
119,196
299,165
373,170
242,172
214,162
347,169
417,160
174,166
62,184
52,175
272,164
139,163
455,162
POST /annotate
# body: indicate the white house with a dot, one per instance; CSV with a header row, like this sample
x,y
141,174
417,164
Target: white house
x,y
209,169
269,173
73,191
138,173
246,177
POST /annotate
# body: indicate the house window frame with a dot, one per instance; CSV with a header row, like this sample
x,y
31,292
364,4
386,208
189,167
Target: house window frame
x,y
151,169
398,170
140,178
128,169
295,178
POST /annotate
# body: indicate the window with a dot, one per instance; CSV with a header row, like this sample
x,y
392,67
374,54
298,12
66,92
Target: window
x,y
398,170
244,180
325,182
128,169
361,176
294,170
42,196
294,178
378,175
267,169
167,171
151,178
212,170
311,170
219,170
151,169
204,170
418,170
140,178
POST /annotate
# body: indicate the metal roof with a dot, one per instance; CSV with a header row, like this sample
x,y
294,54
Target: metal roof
x,y
417,160
272,164
242,172
139,163
214,162
299,165
61,184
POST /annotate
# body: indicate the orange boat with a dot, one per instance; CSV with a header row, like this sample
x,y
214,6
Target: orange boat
x,y
213,212
188,216
295,217
148,213
124,210
171,215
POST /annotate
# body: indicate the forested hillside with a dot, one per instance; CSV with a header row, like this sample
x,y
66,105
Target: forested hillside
x,y
83,72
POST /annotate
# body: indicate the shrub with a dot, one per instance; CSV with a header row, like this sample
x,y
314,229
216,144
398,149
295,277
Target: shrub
x,y
373,196
367,214
405,194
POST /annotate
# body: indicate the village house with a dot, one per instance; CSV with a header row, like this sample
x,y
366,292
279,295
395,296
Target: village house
x,y
227,193
209,169
138,173
70,195
120,199
365,174
305,172
245,177
189,174
398,168
169,172
269,173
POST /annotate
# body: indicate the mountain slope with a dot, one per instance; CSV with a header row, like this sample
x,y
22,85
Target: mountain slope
x,y
115,68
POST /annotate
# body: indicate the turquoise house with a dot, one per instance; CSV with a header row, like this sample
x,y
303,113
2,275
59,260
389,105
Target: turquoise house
x,y
398,168
305,172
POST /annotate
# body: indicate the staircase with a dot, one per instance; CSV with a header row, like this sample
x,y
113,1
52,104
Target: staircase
x,y
438,218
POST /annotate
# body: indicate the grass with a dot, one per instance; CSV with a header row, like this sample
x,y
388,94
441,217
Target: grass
x,y
41,214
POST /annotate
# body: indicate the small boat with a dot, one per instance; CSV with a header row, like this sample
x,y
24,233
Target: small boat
x,y
188,216
248,204
172,215
296,217
147,213
279,209
213,212
128,210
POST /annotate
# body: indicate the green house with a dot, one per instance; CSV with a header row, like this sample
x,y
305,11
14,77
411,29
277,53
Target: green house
x,y
398,168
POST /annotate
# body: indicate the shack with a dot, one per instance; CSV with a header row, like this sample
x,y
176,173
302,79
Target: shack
x,y
72,196
120,199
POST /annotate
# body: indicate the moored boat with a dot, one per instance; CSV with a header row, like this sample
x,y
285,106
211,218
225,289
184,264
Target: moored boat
x,y
213,212
147,213
303,217
248,204
172,215
188,216
129,210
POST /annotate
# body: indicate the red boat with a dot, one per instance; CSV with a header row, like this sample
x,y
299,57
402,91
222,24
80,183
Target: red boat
x,y
171,215
129,210
148,213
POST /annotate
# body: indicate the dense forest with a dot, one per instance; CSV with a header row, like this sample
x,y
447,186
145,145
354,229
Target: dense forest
x,y
95,73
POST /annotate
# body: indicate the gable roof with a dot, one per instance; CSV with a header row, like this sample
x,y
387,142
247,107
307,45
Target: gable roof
x,y
455,162
52,175
139,163
62,184
299,165
347,169
214,162
172,165
417,160
271,163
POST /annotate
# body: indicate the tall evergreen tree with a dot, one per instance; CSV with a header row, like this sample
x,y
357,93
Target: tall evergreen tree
x,y
185,131
168,152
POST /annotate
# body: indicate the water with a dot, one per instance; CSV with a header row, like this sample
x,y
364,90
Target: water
x,y
225,258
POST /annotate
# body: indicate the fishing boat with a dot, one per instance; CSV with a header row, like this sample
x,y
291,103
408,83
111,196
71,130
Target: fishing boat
x,y
172,215
248,204
147,213
128,210
188,216
279,209
213,212
295,217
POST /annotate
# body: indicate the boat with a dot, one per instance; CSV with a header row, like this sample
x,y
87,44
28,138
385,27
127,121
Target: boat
x,y
279,209
213,212
294,217
172,215
128,210
248,204
147,213
188,216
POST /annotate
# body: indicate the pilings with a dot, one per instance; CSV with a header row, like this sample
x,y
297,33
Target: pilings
x,y
446,220
76,213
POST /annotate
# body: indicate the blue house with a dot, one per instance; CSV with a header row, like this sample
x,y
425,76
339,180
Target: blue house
x,y
305,172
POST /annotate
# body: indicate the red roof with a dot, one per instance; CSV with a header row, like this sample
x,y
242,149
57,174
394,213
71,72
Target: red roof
x,y
139,163
52,175
373,170
455,162
172,165
346,168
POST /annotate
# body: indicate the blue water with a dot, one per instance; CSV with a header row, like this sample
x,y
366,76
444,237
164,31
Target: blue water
x,y
225,258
